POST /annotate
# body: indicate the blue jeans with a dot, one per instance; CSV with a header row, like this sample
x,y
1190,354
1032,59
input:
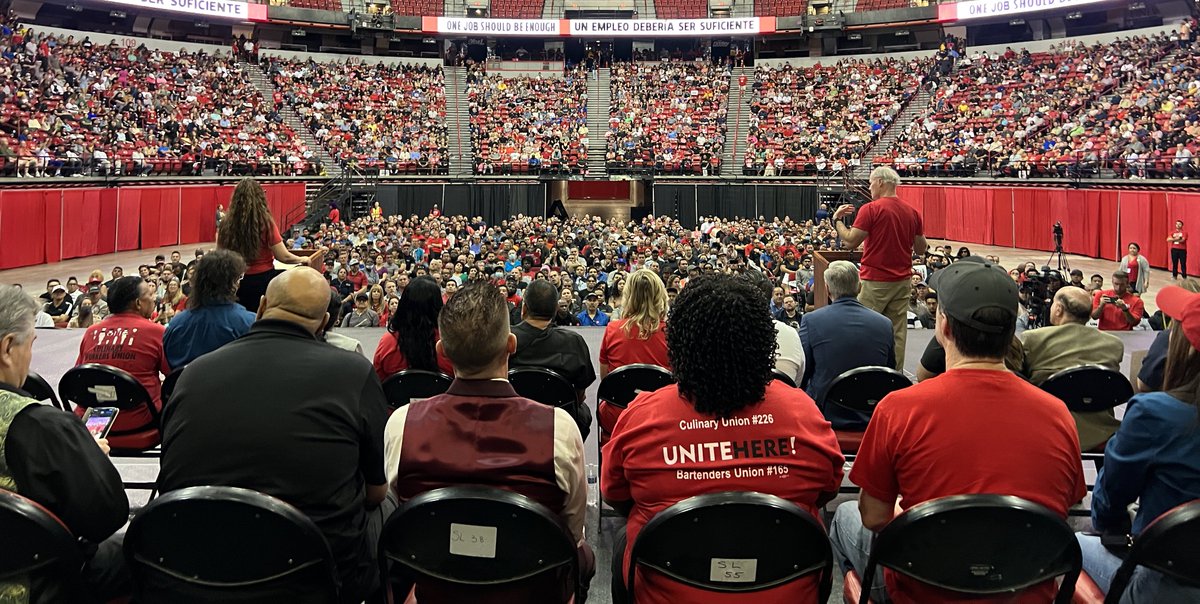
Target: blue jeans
x,y
852,547
1146,587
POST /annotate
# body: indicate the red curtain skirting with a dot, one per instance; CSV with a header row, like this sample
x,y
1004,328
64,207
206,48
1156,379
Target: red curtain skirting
x,y
47,225
1096,223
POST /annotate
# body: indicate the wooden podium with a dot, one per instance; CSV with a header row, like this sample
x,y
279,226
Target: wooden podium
x,y
821,260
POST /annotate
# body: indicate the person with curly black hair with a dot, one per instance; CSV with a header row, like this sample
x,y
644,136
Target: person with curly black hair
x,y
726,425
213,317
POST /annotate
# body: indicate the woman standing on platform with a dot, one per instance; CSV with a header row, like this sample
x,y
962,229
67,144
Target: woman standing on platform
x,y
1178,241
1138,269
250,230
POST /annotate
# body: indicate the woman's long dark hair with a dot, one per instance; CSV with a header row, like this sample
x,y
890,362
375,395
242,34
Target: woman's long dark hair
x,y
247,222
721,343
1181,378
415,322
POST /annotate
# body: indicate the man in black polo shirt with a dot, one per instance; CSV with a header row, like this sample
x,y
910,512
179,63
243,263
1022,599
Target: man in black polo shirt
x,y
59,306
541,344
280,412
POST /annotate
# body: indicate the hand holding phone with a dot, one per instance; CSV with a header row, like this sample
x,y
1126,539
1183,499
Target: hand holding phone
x,y
99,420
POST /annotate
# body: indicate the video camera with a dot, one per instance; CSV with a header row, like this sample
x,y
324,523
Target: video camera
x,y
1037,292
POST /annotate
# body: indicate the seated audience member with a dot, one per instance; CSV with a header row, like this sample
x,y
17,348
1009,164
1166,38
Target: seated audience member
x,y
1069,342
639,336
295,399
789,353
98,307
921,440
1153,459
591,315
128,340
333,338
59,306
541,344
722,347
1150,376
933,359
1118,309
480,432
842,336
213,317
361,315
412,333
49,457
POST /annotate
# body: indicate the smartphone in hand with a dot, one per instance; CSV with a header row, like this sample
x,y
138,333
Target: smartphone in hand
x,y
99,420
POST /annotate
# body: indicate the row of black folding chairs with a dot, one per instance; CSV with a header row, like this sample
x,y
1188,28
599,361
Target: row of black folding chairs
x,y
206,544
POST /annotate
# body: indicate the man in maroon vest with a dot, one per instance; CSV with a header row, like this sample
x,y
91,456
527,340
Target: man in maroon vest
x,y
480,432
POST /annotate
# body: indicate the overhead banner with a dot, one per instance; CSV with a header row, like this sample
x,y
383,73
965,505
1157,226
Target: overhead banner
x,y
979,9
219,9
599,27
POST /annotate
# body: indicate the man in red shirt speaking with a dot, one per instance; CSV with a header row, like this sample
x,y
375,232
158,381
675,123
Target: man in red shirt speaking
x,y
978,428
890,232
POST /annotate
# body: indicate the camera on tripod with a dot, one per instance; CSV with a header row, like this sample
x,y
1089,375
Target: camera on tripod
x,y
1037,292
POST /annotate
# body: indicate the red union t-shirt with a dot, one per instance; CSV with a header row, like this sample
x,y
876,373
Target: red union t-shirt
x,y
1113,318
265,260
1007,438
133,343
891,226
663,452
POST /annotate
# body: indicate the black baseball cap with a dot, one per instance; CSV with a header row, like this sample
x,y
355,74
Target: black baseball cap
x,y
973,284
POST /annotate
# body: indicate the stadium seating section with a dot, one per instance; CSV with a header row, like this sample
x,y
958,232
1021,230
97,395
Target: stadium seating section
x,y
528,124
335,5
516,9
134,109
823,118
669,117
681,9
1046,114
780,8
377,117
432,8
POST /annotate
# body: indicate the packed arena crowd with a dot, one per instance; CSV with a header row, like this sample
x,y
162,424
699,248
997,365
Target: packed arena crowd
x,y
75,108
528,125
1069,112
668,117
822,119
389,119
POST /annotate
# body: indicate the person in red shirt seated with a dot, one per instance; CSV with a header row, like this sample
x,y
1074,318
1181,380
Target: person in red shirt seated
x,y
250,230
1118,309
928,441
639,336
129,340
412,333
717,429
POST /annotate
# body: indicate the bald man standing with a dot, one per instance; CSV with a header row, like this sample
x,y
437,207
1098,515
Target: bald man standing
x,y
281,412
1069,342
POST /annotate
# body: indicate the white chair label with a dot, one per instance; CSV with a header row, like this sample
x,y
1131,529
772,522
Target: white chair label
x,y
104,394
473,541
733,570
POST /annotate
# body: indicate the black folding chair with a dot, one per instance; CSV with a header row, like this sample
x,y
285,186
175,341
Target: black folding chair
x,y
468,543
545,386
40,389
97,385
402,387
39,550
980,545
733,542
783,377
1167,545
623,384
226,544
860,390
168,385
1090,389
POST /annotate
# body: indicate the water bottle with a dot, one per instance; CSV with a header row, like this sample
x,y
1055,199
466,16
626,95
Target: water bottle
x,y
593,486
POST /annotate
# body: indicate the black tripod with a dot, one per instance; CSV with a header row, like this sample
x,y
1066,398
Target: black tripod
x,y
1063,266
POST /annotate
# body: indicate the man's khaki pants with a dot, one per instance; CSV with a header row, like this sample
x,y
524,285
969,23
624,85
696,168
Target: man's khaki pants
x,y
890,299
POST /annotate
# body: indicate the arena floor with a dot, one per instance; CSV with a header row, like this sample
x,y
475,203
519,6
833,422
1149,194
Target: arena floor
x,y
55,351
